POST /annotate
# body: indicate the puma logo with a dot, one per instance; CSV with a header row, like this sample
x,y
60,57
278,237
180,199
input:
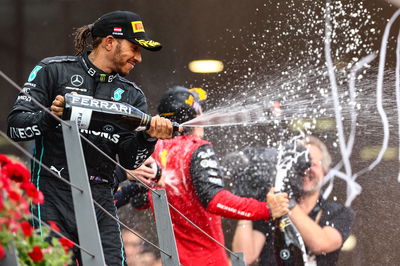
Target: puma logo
x,y
55,170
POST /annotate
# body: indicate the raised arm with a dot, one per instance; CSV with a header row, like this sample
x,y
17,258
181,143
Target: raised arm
x,y
208,183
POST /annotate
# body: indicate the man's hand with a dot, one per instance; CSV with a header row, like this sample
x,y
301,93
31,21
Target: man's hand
x,y
160,128
145,173
278,204
57,106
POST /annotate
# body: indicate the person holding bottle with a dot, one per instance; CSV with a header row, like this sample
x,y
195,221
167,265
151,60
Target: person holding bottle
x,y
323,225
117,38
193,181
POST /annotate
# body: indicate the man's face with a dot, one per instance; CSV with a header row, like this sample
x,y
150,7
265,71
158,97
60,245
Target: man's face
x,y
313,177
125,57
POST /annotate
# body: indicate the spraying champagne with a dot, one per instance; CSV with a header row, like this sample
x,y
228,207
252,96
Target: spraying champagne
x,y
288,244
248,114
106,116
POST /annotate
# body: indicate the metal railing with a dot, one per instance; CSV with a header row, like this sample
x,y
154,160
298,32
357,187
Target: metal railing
x,y
88,232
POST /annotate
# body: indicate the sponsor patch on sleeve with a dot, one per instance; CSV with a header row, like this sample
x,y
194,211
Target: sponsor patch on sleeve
x,y
34,72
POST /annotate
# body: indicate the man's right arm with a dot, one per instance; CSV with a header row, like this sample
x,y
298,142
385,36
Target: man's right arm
x,y
27,120
323,239
208,184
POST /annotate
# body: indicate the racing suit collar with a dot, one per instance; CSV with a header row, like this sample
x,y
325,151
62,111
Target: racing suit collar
x,y
93,71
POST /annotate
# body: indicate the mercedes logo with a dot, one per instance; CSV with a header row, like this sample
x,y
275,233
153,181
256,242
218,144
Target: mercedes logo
x,y
108,128
76,80
284,254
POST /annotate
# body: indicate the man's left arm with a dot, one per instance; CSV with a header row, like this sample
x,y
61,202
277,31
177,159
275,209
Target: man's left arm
x,y
323,239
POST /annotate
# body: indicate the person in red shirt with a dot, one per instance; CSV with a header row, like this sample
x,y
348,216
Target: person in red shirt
x,y
192,178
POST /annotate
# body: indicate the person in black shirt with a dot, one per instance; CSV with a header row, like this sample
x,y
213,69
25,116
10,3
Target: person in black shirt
x,y
323,225
117,38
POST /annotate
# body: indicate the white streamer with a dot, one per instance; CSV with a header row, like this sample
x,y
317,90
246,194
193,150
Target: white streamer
x,y
379,98
398,91
354,189
335,95
353,74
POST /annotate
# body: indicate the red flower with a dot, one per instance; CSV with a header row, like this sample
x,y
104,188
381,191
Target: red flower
x,y
13,225
16,172
24,206
4,182
2,252
32,192
14,196
66,243
4,160
54,226
29,188
15,214
39,198
27,229
36,254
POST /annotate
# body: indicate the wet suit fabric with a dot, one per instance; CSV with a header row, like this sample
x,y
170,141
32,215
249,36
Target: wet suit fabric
x,y
194,186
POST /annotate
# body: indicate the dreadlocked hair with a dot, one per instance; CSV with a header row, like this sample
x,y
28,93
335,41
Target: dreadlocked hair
x,y
80,39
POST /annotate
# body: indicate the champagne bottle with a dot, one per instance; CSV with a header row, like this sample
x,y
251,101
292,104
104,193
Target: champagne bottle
x,y
157,171
288,244
103,115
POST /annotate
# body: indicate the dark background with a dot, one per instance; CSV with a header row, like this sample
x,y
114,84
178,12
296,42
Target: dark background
x,y
256,40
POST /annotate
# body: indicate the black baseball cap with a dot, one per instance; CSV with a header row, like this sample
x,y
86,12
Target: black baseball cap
x,y
124,25
180,104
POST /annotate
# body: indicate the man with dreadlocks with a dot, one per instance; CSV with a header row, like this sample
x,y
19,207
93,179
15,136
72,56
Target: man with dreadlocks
x,y
117,38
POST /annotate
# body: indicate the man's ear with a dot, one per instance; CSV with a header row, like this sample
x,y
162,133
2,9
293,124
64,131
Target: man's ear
x,y
108,42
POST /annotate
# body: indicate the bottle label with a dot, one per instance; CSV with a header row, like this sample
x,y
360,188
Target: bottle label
x,y
82,116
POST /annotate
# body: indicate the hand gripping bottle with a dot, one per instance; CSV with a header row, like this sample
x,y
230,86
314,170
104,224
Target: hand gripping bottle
x,y
105,116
